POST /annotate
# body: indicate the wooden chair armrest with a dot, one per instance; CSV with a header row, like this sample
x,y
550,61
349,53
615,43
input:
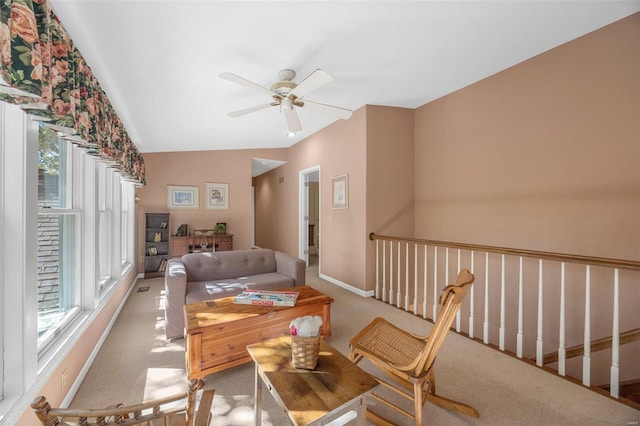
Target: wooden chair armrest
x,y
419,336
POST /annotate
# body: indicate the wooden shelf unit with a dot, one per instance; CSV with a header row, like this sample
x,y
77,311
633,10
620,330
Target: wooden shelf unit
x,y
155,223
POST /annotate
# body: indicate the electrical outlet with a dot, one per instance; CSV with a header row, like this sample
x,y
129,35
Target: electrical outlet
x,y
63,381
141,259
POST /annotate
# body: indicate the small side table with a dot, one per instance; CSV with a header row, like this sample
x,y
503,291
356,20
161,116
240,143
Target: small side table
x,y
310,397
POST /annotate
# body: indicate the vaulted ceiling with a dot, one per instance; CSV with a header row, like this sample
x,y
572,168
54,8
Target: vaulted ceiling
x,y
159,61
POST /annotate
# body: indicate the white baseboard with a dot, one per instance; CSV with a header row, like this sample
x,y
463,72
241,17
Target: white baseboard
x,y
346,286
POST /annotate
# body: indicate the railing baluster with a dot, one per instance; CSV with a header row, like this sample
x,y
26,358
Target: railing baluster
x,y
486,299
399,295
520,312
471,300
434,314
586,358
384,273
539,342
425,313
406,273
561,337
446,266
391,273
615,337
415,278
502,303
377,269
458,314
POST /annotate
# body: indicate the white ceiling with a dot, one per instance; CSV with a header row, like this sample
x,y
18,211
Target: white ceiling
x,y
159,61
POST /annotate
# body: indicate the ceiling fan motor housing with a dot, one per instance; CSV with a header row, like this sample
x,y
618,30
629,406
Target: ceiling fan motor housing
x,y
286,75
285,85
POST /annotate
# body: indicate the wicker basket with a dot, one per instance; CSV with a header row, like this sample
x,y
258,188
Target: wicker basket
x,y
304,351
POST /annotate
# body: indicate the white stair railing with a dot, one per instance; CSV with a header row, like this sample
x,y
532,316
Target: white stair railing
x,y
532,300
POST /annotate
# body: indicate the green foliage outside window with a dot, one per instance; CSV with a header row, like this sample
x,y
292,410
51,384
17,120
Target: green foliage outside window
x,y
48,151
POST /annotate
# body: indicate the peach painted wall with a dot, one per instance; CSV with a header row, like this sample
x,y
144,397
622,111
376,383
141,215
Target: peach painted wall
x,y
79,355
273,202
337,149
544,155
196,168
390,177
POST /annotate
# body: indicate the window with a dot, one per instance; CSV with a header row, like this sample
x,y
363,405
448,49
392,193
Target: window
x,y
58,221
62,213
2,277
105,226
126,223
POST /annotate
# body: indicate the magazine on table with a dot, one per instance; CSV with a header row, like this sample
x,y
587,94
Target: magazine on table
x,y
267,298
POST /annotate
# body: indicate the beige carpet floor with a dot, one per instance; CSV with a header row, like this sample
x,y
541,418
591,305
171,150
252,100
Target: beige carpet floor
x,y
137,363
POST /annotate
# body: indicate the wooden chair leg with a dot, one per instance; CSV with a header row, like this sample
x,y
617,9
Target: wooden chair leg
x,y
378,420
453,405
418,403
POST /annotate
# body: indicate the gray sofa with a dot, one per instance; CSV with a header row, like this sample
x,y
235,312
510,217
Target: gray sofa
x,y
196,277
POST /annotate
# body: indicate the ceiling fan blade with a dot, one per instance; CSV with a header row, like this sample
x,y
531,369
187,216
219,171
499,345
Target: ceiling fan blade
x,y
244,82
240,112
315,80
335,111
293,123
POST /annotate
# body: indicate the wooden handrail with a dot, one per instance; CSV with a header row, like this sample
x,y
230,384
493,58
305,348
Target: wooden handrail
x,y
633,265
596,345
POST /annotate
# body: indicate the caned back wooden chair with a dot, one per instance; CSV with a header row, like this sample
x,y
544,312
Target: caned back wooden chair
x,y
165,411
408,359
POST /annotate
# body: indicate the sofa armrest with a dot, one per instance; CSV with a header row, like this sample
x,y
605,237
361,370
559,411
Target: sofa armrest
x,y
291,266
175,288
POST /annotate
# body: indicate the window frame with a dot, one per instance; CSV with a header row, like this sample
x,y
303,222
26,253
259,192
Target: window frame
x,y
25,369
104,245
70,206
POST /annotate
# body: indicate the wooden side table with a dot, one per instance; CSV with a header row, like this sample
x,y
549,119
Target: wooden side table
x,y
310,397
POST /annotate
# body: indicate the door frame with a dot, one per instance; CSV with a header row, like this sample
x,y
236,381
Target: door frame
x,y
303,212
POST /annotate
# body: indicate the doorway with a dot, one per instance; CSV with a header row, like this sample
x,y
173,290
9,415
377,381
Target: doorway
x,y
309,247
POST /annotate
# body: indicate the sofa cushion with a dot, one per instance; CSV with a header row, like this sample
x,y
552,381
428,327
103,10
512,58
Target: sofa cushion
x,y
197,291
204,290
228,264
269,281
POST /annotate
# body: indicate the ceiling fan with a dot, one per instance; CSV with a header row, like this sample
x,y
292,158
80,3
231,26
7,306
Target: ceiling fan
x,y
288,96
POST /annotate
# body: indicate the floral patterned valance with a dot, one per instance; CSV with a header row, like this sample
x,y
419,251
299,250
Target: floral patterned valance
x,y
42,71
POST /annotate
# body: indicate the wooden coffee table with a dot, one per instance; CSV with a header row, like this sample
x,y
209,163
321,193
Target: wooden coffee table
x,y
310,397
217,332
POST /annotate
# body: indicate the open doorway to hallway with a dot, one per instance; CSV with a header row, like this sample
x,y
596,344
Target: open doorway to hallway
x,y
310,218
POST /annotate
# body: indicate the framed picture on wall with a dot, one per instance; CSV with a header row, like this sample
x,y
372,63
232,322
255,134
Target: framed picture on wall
x,y
340,192
217,196
182,197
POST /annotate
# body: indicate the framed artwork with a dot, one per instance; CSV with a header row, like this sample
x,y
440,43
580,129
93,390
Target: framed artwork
x,y
340,192
182,197
217,196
